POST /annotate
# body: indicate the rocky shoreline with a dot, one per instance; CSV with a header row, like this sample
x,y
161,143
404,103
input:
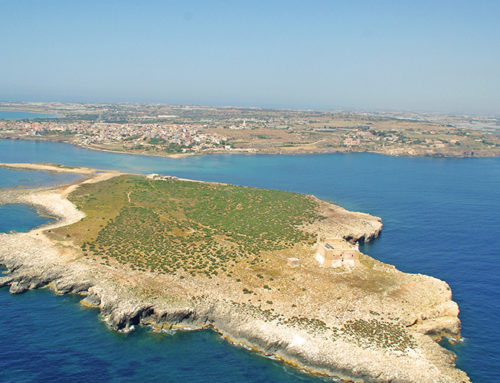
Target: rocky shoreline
x,y
415,308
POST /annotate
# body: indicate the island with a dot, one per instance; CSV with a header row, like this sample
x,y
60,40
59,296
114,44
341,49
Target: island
x,y
278,272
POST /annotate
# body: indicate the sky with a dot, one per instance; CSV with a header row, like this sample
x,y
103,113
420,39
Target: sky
x,y
437,56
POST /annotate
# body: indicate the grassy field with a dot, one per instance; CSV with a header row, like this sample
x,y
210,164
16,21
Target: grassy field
x,y
182,226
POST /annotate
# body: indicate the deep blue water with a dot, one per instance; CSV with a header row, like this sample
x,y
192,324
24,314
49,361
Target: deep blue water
x,y
20,218
441,217
48,338
20,115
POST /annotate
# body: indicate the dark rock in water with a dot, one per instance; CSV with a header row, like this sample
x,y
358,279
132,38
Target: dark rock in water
x,y
18,288
125,319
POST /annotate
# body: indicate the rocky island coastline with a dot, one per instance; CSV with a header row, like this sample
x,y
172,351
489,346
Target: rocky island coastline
x,y
331,311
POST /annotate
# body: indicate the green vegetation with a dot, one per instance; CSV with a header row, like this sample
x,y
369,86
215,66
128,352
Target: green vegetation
x,y
382,334
157,141
161,144
200,228
174,148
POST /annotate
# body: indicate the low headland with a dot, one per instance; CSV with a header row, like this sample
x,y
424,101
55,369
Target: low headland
x,y
278,272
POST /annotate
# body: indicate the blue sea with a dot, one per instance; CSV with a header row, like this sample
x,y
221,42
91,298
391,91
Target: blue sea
x,y
21,115
19,218
30,178
441,218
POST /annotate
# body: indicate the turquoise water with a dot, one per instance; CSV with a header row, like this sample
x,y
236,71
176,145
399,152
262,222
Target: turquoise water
x,y
20,115
441,217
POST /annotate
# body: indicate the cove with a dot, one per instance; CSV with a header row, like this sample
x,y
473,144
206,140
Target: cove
x,y
20,218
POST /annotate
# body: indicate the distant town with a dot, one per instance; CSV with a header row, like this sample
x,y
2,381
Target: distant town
x,y
176,130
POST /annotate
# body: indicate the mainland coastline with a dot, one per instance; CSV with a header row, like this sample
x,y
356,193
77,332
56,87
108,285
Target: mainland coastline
x,y
414,307
177,131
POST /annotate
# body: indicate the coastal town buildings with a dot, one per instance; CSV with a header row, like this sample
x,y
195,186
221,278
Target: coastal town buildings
x,y
138,136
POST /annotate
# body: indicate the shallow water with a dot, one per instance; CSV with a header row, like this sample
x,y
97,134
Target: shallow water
x,y
441,217
30,178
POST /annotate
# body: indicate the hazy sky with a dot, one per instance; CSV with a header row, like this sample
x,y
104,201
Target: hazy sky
x,y
411,55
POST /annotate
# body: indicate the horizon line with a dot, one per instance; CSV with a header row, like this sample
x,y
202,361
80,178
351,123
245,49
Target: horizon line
x,y
282,108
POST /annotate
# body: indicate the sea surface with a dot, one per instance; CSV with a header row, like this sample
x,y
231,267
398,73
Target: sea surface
x,y
31,178
441,218
19,218
21,115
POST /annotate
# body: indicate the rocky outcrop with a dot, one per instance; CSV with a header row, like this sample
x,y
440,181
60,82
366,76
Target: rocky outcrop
x,y
351,226
297,346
